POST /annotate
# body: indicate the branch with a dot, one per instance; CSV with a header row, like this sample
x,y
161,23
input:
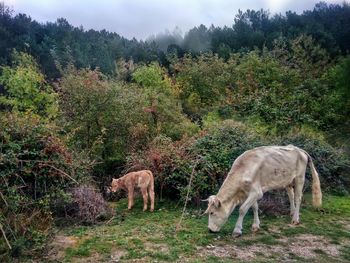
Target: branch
x,y
64,173
187,195
46,163
3,198
3,233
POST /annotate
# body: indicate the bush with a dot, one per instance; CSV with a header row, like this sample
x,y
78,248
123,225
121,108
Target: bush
x,y
87,205
217,150
163,157
212,153
331,163
275,203
35,168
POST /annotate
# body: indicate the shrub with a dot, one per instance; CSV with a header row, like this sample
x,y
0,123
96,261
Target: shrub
x,y
35,168
275,203
26,88
331,163
87,205
163,157
212,153
217,150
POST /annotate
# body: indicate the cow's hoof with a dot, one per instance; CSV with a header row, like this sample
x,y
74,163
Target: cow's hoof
x,y
295,222
255,228
236,234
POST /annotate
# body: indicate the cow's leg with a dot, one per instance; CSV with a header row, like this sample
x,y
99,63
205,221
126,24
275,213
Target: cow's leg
x,y
252,198
298,193
256,223
130,197
145,198
151,196
290,192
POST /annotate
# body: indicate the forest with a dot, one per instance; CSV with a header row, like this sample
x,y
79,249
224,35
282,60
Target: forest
x,y
80,107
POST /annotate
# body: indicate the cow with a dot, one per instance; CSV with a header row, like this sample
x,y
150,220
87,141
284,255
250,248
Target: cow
x,y
142,179
255,172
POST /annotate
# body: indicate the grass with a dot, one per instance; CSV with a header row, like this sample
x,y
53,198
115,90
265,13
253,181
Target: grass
x,y
150,237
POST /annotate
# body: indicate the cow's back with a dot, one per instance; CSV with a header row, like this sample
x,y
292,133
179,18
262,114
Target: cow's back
x,y
279,165
271,167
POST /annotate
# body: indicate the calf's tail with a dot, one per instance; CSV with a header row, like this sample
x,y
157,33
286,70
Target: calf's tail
x,y
316,186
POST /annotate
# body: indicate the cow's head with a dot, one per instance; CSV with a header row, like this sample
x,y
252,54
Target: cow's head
x,y
116,185
217,214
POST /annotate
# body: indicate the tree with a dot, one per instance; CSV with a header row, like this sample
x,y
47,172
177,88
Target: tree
x,y
162,102
26,89
100,115
204,83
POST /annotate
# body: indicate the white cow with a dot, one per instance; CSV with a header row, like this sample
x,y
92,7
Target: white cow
x,y
255,172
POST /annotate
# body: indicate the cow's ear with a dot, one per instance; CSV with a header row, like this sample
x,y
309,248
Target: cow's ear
x,y
217,203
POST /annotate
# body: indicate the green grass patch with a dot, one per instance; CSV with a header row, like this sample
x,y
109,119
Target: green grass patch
x,y
152,236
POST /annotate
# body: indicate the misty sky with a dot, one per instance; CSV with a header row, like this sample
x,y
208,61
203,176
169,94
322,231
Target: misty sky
x,y
142,18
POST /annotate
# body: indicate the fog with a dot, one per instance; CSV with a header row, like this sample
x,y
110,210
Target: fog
x,y
141,19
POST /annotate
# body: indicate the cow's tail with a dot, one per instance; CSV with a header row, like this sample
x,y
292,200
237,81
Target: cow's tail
x,y
316,186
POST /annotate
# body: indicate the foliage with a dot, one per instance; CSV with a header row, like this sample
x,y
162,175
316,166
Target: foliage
x,y
61,42
212,153
162,102
280,89
279,95
94,112
108,104
163,157
217,150
338,80
35,167
203,83
25,88
331,163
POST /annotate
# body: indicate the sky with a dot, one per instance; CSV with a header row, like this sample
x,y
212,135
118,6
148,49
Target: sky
x,y
143,18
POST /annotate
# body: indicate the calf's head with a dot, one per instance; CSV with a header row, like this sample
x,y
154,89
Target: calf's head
x,y
217,214
116,185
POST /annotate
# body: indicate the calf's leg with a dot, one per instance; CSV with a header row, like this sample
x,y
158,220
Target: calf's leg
x,y
130,197
151,196
145,198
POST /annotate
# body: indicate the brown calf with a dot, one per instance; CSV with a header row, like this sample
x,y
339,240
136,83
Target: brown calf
x,y
143,180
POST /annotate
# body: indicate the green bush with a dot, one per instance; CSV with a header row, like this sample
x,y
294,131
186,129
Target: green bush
x,y
332,164
216,151
212,153
35,168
